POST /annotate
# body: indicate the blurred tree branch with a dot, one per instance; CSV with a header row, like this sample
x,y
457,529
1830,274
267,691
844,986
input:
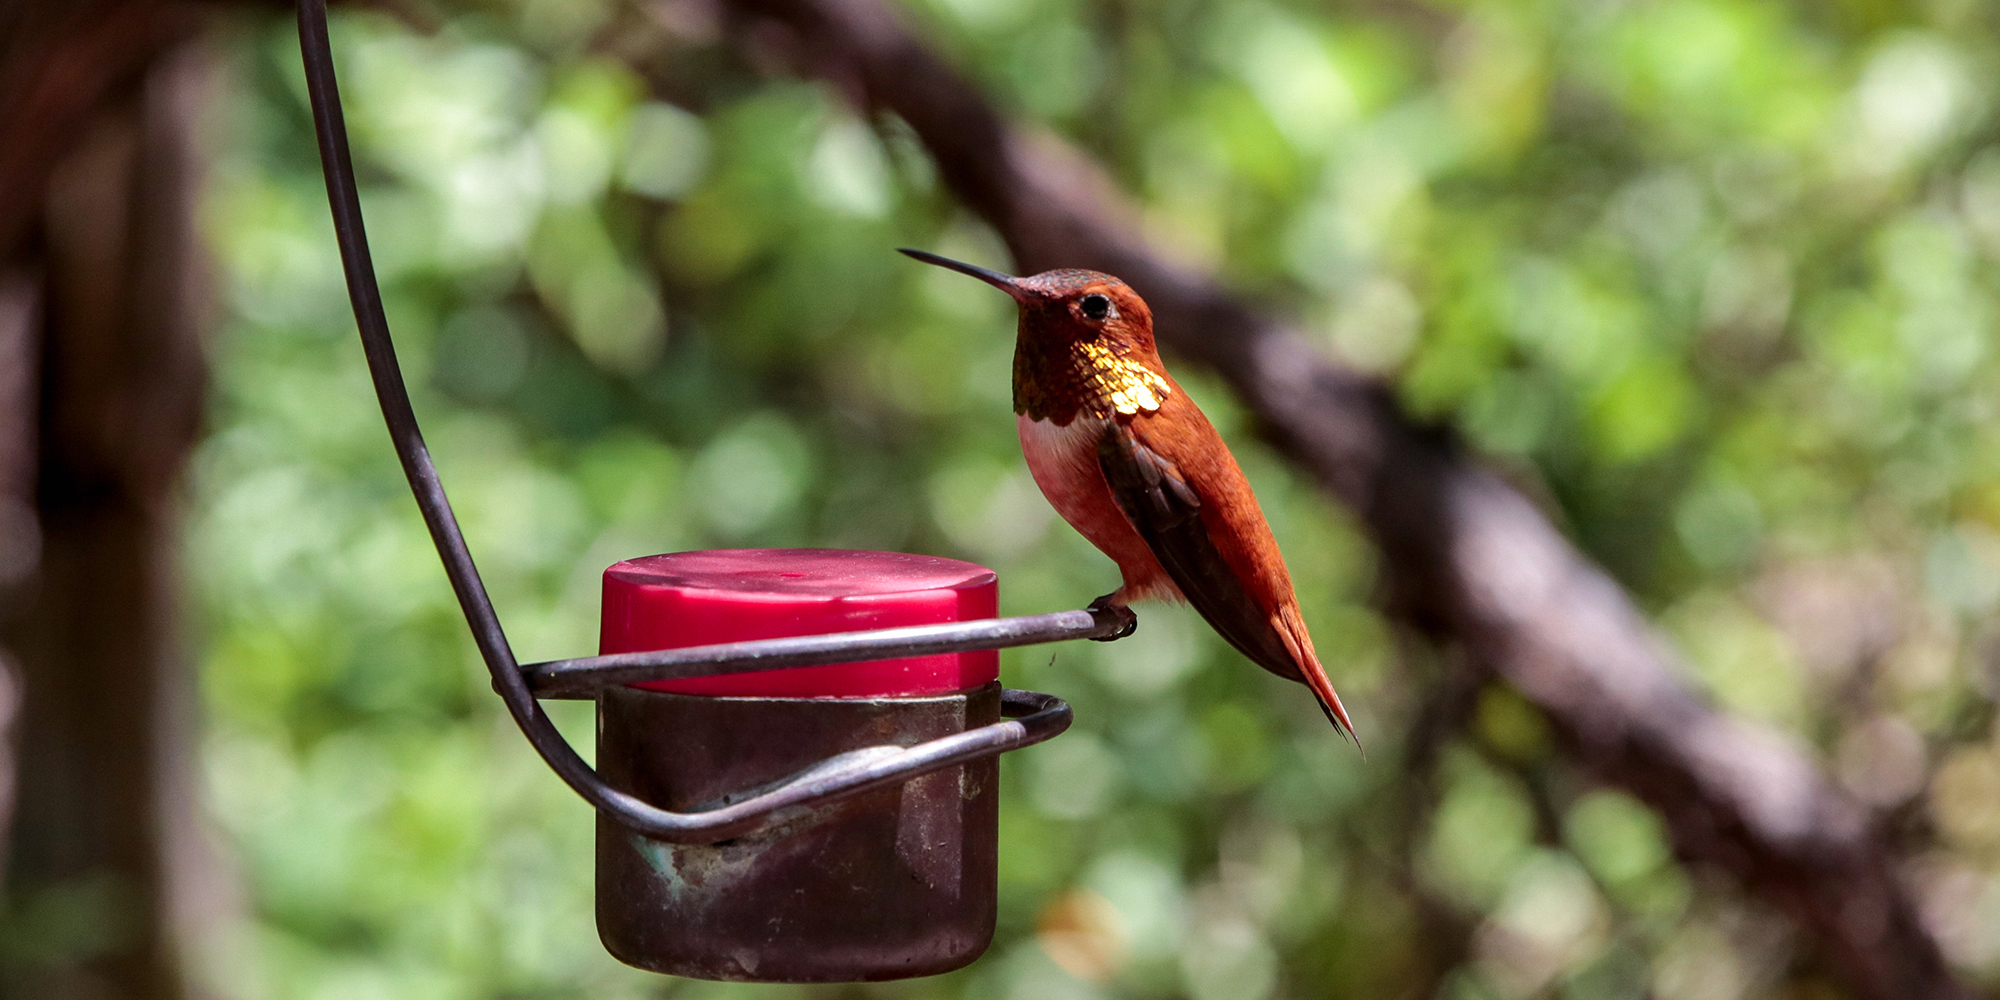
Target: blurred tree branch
x,y
1467,558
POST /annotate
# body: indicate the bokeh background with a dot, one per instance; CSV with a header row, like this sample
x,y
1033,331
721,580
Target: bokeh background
x,y
1713,281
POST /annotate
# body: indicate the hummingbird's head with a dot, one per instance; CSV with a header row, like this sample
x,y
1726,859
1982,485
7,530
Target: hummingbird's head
x,y
1085,344
1067,305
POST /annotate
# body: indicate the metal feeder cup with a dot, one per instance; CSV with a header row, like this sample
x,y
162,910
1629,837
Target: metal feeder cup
x,y
897,882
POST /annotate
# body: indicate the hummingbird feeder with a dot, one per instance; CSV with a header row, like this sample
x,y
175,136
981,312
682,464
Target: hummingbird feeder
x,y
796,771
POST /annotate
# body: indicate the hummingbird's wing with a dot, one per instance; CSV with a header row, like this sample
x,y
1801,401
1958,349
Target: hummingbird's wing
x,y
1166,512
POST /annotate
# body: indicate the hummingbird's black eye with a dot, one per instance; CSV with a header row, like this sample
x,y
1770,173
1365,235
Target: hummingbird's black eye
x,y
1095,306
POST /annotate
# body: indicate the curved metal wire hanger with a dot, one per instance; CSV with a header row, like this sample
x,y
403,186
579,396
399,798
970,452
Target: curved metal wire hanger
x,y
1036,717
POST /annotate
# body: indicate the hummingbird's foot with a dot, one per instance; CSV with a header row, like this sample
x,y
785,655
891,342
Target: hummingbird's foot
x,y
1106,606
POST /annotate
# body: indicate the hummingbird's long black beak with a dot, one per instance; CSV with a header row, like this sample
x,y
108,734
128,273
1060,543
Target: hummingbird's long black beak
x,y
1006,283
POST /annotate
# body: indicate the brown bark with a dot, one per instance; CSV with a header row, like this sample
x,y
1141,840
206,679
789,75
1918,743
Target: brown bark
x,y
1465,556
20,530
60,64
99,406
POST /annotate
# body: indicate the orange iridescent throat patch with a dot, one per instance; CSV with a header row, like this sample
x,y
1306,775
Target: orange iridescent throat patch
x,y
1055,381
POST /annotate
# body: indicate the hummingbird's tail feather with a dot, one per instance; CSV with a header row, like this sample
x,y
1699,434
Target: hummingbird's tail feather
x,y
1292,629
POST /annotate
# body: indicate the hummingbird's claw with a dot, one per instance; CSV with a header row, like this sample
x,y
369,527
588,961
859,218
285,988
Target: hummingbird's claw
x,y
1119,612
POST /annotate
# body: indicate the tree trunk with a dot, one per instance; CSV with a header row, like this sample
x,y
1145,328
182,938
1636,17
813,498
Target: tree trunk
x,y
101,386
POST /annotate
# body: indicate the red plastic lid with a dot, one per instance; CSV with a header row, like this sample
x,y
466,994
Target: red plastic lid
x,y
732,595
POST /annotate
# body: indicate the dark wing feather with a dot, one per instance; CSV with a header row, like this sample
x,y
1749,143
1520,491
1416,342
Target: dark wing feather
x,y
1166,511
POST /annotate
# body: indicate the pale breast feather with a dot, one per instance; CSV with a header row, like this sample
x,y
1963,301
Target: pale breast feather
x,y
1063,460
1065,465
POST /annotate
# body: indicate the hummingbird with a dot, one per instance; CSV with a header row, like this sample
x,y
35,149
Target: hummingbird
x,y
1125,457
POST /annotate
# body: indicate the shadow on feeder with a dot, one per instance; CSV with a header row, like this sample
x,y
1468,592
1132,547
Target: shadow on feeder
x,y
834,822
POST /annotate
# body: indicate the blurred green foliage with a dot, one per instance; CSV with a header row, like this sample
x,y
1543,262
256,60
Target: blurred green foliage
x,y
1714,279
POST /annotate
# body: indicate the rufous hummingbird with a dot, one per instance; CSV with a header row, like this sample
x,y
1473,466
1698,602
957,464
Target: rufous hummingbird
x,y
1128,460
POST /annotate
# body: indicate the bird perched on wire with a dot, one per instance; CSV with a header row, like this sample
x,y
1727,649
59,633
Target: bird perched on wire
x,y
1128,460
